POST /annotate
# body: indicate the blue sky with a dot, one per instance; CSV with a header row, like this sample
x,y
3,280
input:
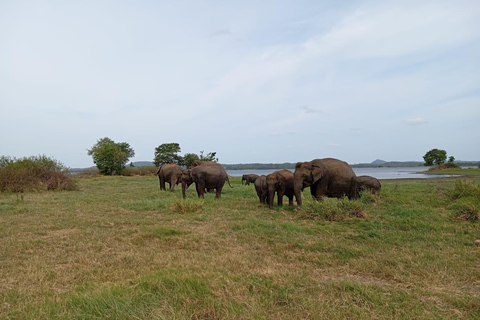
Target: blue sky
x,y
255,81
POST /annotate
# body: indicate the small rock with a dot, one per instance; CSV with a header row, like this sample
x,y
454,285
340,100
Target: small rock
x,y
477,243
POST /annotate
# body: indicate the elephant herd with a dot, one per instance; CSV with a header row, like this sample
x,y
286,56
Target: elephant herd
x,y
325,177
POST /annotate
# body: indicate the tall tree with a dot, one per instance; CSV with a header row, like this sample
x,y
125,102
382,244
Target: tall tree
x,y
435,157
110,157
188,159
167,153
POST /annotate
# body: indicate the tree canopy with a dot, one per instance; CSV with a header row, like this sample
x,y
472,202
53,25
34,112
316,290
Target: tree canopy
x,y
209,157
167,153
435,157
188,159
111,157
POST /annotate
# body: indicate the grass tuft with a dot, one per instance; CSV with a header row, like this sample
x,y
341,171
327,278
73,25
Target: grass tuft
x,y
466,210
333,210
464,189
185,206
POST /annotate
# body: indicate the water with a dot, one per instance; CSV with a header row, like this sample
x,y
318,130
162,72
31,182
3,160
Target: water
x,y
379,173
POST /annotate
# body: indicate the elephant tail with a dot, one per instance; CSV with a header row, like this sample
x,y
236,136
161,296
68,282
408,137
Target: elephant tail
x,y
228,180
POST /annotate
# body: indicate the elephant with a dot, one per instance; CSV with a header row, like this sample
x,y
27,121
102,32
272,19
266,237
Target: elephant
x,y
261,188
205,177
368,183
280,181
170,173
249,178
326,177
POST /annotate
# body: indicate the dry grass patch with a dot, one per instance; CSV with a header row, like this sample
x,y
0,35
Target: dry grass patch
x,y
186,206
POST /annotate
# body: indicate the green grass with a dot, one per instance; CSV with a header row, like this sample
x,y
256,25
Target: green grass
x,y
120,248
456,171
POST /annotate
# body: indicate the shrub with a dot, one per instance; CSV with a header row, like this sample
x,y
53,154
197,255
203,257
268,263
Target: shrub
x,y
467,209
34,173
333,209
463,190
449,165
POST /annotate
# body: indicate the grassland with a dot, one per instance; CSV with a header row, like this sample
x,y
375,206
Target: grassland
x,y
120,248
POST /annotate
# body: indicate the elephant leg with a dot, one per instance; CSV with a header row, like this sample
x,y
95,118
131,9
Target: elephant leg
x,y
200,190
280,194
313,191
162,182
218,194
290,200
322,188
172,183
352,193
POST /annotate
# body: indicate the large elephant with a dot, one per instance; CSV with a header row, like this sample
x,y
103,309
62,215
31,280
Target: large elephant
x,y
261,188
368,183
205,177
249,178
326,178
280,181
170,173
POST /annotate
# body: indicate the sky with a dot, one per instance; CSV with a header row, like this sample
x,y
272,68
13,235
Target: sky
x,y
255,81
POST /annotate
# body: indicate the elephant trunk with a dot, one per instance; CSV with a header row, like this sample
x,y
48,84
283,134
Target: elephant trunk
x,y
184,188
297,189
270,197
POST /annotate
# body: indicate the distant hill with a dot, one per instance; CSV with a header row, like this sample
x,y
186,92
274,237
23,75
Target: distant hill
x,y
378,162
142,163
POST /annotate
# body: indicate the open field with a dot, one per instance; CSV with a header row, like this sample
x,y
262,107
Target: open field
x,y
120,248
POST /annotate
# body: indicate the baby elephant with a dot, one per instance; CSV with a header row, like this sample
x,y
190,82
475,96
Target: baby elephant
x,y
368,183
281,182
249,178
261,188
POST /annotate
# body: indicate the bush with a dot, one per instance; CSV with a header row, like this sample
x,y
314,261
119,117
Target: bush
x,y
467,209
34,173
449,165
333,209
464,190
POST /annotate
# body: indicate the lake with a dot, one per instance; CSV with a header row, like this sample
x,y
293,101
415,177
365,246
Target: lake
x,y
379,173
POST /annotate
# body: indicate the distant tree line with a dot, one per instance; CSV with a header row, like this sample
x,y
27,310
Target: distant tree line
x,y
259,166
111,158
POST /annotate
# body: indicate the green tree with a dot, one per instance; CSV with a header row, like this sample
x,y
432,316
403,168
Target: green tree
x,y
188,158
209,157
110,157
167,153
435,157
451,159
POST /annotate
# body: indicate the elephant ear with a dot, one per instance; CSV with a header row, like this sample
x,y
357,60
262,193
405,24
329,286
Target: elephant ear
x,y
281,180
317,173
